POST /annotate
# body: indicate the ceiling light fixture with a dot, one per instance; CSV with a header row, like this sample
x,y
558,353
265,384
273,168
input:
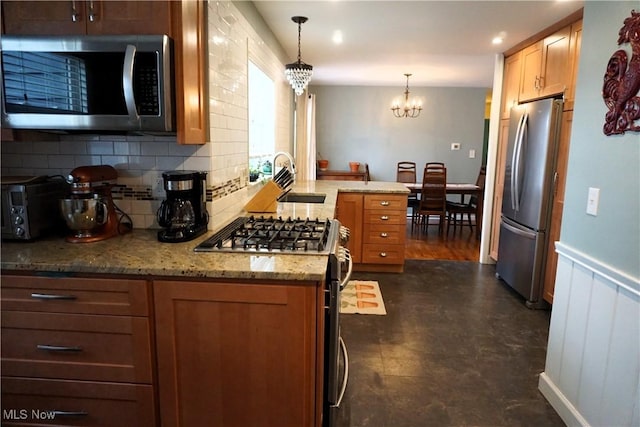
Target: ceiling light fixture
x,y
298,73
410,110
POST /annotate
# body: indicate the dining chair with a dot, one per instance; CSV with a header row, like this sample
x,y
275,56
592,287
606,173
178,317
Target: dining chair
x,y
431,165
406,172
456,211
433,197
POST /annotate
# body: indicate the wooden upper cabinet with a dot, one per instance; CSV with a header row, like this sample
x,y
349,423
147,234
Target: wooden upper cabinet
x,y
530,75
510,84
191,67
546,66
76,17
574,60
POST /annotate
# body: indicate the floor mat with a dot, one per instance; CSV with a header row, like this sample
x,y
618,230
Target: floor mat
x,y
362,297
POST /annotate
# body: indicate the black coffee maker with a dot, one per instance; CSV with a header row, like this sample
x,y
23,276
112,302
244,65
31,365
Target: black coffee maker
x,y
184,213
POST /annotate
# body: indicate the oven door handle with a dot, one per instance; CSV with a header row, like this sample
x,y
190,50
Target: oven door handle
x,y
343,389
347,257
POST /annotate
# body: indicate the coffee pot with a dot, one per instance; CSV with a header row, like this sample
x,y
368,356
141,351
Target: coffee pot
x,y
183,214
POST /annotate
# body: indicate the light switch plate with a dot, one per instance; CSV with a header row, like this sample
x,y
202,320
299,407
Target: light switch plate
x,y
472,154
455,146
592,201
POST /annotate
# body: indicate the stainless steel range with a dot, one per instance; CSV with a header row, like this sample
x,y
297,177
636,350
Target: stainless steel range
x,y
302,236
274,235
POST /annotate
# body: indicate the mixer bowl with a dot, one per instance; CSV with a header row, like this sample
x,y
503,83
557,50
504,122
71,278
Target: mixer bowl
x,y
83,215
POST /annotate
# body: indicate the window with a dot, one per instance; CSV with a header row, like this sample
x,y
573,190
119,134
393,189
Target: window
x,y
261,122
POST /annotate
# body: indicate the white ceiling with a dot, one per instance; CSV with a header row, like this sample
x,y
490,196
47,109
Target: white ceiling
x,y
442,43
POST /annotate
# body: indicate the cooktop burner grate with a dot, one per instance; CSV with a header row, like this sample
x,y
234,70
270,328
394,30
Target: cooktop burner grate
x,y
271,234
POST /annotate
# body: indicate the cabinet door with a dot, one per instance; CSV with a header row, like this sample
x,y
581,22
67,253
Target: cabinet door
x,y
192,104
235,354
574,60
503,140
128,17
530,76
557,206
349,211
510,84
44,17
77,17
555,70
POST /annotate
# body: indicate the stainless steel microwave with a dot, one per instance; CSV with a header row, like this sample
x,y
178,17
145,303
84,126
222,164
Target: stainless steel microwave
x,y
88,83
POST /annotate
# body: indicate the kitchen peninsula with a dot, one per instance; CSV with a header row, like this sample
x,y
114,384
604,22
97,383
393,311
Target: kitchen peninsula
x,y
130,331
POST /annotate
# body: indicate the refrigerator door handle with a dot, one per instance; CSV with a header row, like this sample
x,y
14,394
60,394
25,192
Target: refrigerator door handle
x,y
515,229
518,161
514,166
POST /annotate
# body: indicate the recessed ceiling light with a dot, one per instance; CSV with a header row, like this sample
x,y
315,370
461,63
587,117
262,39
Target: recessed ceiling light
x,y
337,37
499,38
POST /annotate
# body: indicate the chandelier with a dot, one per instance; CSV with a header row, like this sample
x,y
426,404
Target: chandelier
x,y
298,73
411,110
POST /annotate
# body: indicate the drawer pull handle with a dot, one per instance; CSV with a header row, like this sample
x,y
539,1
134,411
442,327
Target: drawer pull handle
x,y
53,296
60,348
383,254
384,235
384,217
384,203
57,413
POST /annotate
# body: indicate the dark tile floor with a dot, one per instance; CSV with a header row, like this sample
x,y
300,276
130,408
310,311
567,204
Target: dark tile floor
x,y
456,348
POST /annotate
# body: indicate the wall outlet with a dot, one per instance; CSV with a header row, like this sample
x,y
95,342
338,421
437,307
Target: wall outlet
x,y
158,188
455,146
593,199
472,154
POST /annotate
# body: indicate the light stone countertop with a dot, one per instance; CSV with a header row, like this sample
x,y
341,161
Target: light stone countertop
x,y
139,253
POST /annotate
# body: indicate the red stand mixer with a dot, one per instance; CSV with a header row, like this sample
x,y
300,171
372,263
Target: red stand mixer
x,y
90,211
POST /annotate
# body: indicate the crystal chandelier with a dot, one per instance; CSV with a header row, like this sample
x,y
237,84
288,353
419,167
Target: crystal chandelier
x,y
411,110
298,73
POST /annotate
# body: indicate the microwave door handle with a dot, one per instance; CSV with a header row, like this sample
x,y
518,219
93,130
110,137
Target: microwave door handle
x,y
127,84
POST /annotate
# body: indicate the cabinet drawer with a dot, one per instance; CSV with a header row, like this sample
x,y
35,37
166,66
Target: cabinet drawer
x,y
386,234
385,201
76,346
383,254
25,400
75,295
385,217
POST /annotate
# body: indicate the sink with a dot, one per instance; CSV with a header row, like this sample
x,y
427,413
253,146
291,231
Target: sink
x,y
303,198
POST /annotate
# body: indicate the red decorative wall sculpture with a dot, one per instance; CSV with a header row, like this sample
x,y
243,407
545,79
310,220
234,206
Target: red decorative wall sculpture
x,y
622,81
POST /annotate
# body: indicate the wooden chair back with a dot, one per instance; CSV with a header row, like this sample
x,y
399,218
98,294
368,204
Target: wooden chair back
x,y
434,190
480,182
406,172
434,165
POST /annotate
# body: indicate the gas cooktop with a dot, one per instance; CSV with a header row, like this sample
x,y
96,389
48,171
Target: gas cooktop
x,y
272,235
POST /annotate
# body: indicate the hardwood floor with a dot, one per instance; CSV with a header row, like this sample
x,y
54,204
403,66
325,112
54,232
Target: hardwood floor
x,y
460,245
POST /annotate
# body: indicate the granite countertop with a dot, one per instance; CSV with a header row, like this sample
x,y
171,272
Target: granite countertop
x,y
139,252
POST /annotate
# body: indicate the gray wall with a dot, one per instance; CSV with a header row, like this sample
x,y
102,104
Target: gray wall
x,y
355,123
610,163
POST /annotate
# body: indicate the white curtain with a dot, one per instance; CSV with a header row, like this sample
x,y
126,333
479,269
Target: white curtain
x,y
306,137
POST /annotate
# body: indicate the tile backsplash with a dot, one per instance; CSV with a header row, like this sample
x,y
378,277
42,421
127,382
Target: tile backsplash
x,y
141,159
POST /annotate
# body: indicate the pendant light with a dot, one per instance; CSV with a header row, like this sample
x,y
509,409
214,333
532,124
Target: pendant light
x,y
298,73
410,109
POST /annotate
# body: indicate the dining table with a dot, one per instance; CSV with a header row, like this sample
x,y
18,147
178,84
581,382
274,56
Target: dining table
x,y
457,188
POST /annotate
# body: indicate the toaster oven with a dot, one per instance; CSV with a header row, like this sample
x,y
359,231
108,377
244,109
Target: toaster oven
x,y
30,206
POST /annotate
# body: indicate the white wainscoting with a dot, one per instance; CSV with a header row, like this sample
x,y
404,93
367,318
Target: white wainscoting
x,y
592,371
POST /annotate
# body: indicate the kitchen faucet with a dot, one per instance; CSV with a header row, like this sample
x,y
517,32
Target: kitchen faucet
x,y
292,163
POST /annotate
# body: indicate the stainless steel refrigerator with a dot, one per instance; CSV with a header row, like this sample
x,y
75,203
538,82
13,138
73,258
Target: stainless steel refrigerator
x,y
534,129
